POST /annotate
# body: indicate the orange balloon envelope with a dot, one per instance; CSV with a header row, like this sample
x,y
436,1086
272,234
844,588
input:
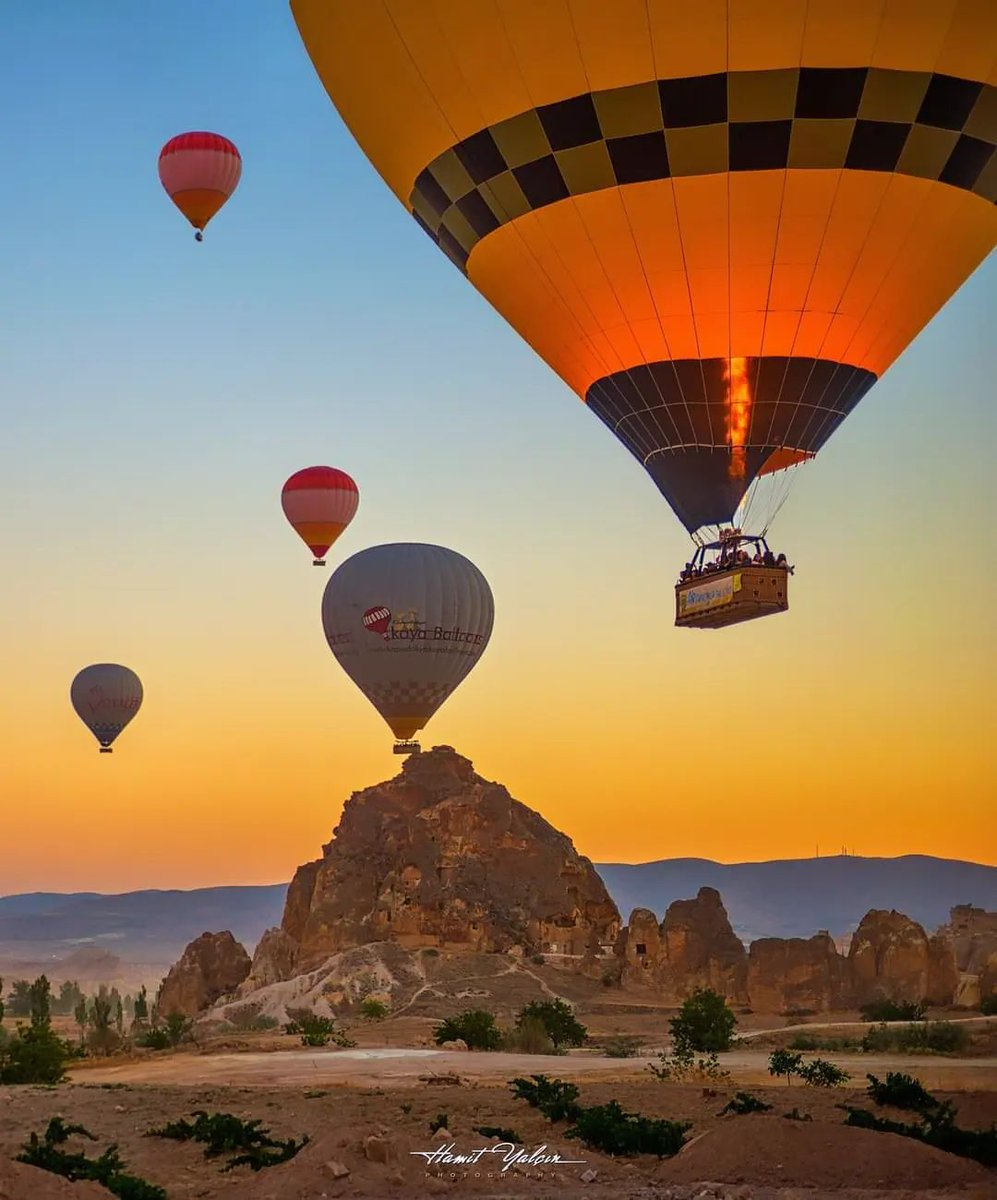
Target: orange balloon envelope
x,y
319,502
199,171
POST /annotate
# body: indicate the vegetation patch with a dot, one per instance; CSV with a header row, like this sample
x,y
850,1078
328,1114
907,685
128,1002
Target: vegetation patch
x,y
818,1072
937,1128
609,1128
925,1037
555,1098
705,1023
108,1169
901,1091
892,1010
744,1103
475,1027
223,1133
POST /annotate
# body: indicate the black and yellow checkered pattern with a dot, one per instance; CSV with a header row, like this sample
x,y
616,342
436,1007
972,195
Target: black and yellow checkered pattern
x,y
930,126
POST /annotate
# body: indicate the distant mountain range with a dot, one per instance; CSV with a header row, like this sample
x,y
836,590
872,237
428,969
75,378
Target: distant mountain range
x,y
792,898
797,897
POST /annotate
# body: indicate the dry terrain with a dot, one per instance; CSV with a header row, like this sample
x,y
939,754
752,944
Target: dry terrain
x,y
393,1084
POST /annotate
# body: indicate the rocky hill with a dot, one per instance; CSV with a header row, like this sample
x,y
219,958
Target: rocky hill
x,y
439,857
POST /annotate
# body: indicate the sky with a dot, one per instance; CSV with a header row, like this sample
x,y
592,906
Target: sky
x,y
155,394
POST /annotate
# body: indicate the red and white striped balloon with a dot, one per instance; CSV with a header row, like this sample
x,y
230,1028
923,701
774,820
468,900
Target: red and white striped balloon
x,y
319,502
200,171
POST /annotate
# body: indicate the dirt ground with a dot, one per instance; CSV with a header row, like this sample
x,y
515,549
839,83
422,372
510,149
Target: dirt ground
x,y
743,1157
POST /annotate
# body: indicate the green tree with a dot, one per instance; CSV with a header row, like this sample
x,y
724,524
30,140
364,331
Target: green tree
x,y
373,1010
705,1022
475,1027
35,1055
558,1018
178,1027
142,1006
784,1062
20,998
81,1016
102,1038
40,1002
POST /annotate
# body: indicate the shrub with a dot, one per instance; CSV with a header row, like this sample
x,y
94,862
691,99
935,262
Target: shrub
x,y
927,1037
821,1073
249,1019
107,1169
154,1039
224,1133
34,1055
528,1037
318,1031
901,1091
373,1010
705,1022
558,1019
440,1121
806,1041
475,1027
744,1103
538,960
555,1098
496,1131
178,1027
892,1010
607,1127
784,1062
684,1067
622,1047
937,1129
988,1005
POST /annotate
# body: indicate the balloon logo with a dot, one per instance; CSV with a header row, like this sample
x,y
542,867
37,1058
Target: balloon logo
x,y
447,620
319,502
199,171
106,696
377,620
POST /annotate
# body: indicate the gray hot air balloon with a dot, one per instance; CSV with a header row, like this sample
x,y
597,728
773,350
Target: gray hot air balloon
x,y
407,622
106,696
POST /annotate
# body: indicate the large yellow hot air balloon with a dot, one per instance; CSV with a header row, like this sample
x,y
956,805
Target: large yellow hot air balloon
x,y
719,221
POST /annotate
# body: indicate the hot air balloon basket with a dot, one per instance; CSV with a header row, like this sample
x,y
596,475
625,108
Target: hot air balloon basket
x,y
729,597
407,748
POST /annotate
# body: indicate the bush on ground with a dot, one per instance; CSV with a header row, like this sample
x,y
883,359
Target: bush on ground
x,y
901,1091
988,1005
475,1027
555,1098
558,1019
684,1067
108,1169
892,1010
621,1046
609,1128
927,1037
224,1133
744,1103
528,1037
373,1010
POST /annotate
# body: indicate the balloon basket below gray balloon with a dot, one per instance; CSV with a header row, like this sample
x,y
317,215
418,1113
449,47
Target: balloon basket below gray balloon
x,y
407,747
106,750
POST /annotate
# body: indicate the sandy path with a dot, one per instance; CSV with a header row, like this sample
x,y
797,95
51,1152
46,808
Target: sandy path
x,y
401,1067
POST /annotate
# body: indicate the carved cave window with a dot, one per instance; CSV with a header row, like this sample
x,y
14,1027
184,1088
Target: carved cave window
x,y
641,948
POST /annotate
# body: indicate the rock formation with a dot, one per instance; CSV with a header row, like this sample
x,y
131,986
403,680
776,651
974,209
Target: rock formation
x,y
892,958
439,857
973,935
988,978
788,975
212,966
693,947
